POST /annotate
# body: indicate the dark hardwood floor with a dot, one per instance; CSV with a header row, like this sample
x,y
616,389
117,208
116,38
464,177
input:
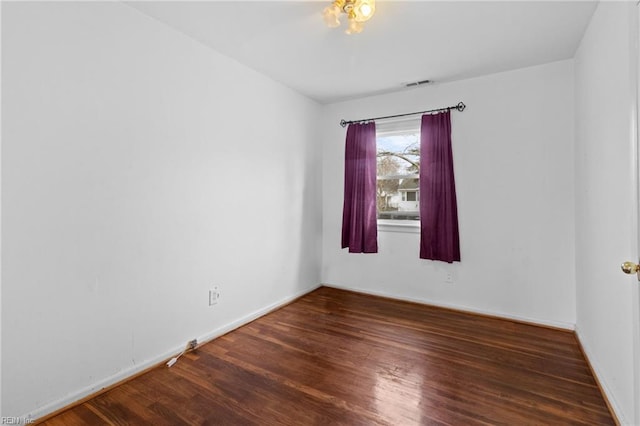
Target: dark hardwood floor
x,y
336,357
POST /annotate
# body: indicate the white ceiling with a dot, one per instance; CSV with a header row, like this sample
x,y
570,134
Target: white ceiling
x,y
405,41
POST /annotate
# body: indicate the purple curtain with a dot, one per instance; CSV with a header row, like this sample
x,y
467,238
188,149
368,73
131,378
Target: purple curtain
x,y
359,222
439,239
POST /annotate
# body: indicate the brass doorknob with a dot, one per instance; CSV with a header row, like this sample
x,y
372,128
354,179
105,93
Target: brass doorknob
x,y
630,268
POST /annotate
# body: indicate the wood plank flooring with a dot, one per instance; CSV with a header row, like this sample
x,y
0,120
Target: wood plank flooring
x,y
340,358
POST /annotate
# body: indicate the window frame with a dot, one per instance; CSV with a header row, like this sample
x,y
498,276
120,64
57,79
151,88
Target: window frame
x,y
398,128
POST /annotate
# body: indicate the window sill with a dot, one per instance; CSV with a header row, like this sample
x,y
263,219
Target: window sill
x,y
412,227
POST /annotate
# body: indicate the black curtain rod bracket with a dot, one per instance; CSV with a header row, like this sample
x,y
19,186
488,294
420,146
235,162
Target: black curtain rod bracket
x,y
460,107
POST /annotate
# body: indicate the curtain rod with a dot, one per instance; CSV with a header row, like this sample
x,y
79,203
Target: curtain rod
x,y
460,107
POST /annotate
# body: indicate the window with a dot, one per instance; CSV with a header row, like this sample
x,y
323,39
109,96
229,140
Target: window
x,y
398,163
410,195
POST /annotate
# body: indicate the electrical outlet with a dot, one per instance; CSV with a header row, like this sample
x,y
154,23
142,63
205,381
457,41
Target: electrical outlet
x,y
214,295
448,277
192,344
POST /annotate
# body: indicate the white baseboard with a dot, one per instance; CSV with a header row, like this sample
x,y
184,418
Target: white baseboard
x,y
157,360
252,316
535,321
597,371
161,358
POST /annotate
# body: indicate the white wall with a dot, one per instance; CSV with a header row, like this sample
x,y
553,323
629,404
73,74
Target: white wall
x,y
513,154
605,219
121,139
139,168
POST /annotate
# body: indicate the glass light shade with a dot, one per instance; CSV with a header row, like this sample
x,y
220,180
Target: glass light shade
x,y
364,9
330,15
354,27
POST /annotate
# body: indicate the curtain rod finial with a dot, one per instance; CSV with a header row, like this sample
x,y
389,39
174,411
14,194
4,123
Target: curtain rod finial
x,y
461,106
343,123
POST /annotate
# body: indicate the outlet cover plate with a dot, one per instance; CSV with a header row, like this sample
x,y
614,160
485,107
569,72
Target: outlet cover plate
x,y
213,296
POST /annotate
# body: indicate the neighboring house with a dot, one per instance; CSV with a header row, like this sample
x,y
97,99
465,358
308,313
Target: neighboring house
x,y
409,194
403,204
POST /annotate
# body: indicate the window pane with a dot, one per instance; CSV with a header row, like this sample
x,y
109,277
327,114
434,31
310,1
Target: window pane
x,y
398,155
398,164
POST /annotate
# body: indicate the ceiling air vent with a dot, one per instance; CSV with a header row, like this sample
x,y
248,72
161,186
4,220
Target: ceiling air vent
x,y
417,83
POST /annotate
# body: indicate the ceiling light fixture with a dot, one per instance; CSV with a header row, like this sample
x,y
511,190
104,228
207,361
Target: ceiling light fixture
x,y
357,11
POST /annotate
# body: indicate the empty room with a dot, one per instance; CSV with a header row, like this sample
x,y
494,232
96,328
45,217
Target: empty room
x,y
348,212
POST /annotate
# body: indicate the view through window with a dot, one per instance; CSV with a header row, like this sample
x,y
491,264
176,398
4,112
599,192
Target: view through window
x,y
398,163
